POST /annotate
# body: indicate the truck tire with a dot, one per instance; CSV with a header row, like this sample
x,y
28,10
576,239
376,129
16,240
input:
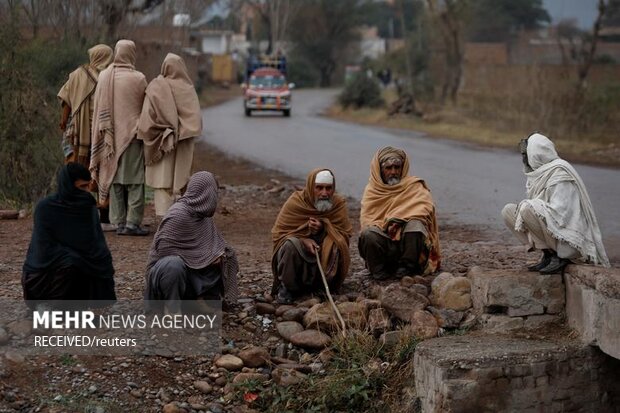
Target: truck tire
x,y
248,112
286,112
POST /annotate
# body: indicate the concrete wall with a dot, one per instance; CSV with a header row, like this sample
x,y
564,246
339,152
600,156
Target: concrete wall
x,y
593,306
502,374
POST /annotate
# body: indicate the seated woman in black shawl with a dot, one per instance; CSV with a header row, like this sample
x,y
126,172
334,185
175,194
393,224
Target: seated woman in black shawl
x,y
68,258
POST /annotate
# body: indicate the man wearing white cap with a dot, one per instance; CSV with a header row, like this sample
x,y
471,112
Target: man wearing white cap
x,y
557,217
313,220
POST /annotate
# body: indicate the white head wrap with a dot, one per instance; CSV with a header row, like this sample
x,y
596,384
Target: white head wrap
x,y
324,177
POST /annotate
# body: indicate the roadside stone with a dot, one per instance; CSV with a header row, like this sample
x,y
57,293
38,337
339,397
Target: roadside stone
x,y
455,294
309,303
420,289
203,386
136,393
378,321
14,357
312,339
392,338
469,321
407,281
20,328
402,302
285,377
287,329
438,284
320,316
265,308
245,377
215,408
173,408
369,303
423,325
446,317
4,337
283,309
229,362
500,323
294,314
254,356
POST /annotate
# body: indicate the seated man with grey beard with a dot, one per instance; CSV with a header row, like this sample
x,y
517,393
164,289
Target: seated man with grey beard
x,y
312,221
399,231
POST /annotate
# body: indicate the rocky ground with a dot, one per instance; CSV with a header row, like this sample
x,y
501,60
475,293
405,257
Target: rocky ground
x,y
257,336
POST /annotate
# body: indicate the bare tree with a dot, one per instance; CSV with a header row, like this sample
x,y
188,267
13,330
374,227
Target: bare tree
x,y
448,17
276,15
579,46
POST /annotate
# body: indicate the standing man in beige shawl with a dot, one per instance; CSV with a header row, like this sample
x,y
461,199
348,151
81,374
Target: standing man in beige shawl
x,y
312,220
117,162
399,229
170,121
76,99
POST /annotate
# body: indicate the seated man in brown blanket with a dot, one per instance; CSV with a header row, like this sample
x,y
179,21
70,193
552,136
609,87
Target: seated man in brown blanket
x,y
399,230
312,220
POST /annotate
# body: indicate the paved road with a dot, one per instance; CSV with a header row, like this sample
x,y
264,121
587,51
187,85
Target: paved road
x,y
470,184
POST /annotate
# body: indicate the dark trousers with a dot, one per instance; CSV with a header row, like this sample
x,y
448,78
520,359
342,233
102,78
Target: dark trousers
x,y
382,254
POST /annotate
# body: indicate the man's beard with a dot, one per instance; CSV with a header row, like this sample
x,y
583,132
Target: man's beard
x,y
393,180
323,205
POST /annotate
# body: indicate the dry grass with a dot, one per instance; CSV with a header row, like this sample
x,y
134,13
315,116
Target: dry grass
x,y
455,123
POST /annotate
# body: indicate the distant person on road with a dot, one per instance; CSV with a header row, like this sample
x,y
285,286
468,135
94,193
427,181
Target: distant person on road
x,y
117,162
312,220
68,258
399,234
189,258
170,121
76,100
557,217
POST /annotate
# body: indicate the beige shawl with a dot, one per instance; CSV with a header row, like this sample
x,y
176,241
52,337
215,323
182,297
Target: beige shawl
x,y
292,221
77,92
171,111
409,199
108,143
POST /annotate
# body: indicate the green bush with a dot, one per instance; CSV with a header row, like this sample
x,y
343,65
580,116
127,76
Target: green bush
x,y
30,76
361,92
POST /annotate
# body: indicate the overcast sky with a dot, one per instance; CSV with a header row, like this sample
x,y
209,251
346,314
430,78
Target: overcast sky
x,y
582,10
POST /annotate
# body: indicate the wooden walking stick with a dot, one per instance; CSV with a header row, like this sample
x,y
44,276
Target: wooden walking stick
x,y
329,296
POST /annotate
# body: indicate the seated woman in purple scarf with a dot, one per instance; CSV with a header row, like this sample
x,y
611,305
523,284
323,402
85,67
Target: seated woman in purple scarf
x,y
68,258
189,259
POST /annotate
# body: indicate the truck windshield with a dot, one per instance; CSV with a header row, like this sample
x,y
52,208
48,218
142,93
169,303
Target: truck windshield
x,y
267,81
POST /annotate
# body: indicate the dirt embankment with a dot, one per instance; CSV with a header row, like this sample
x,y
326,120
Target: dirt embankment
x,y
250,200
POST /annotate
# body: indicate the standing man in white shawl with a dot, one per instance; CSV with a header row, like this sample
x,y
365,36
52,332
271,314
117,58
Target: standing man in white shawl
x,y
170,121
117,160
557,217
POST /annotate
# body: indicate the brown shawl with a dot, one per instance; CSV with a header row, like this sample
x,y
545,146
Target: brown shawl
x,y
292,221
76,94
108,144
171,110
409,199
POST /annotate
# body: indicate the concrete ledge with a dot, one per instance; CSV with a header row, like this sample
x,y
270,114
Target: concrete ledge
x,y
593,305
516,293
501,374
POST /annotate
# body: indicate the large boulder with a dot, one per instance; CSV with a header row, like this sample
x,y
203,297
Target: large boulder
x,y
402,302
423,325
455,294
312,339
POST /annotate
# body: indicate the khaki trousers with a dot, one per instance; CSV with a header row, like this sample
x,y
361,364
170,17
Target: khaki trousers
x,y
536,234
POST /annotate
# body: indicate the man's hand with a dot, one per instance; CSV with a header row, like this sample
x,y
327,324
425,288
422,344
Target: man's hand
x,y
315,225
392,229
310,245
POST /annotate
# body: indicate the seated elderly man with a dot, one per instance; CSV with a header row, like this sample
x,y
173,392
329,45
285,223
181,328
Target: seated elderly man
x,y
189,258
399,231
68,258
557,217
312,220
